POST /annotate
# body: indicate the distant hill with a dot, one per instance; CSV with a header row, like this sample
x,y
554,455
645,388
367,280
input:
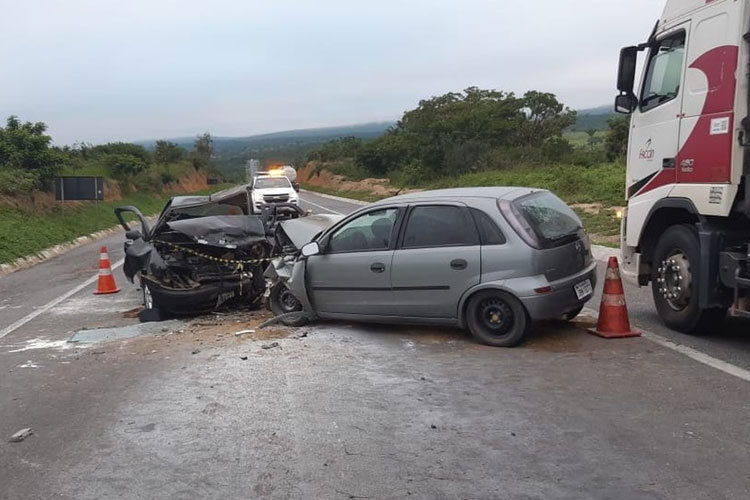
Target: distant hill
x,y
291,146
300,136
593,118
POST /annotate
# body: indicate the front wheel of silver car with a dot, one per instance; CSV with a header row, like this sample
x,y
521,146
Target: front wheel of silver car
x,y
496,318
283,302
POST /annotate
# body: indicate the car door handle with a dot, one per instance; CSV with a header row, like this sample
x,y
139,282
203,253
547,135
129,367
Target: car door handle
x,y
459,264
668,163
377,267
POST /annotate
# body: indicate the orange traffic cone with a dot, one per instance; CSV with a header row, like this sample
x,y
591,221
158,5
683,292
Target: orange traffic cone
x,y
106,283
613,313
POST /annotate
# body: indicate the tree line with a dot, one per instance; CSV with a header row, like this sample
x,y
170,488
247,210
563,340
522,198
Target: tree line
x,y
475,130
29,161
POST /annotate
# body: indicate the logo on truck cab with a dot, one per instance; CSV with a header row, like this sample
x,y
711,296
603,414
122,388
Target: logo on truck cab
x,y
647,152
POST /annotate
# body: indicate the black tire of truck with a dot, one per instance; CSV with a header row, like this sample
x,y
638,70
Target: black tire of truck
x,y
283,302
675,282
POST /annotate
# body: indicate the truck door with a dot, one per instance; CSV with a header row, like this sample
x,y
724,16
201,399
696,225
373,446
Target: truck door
x,y
654,142
706,137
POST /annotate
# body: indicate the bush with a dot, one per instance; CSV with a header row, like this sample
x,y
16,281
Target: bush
x,y
14,181
413,173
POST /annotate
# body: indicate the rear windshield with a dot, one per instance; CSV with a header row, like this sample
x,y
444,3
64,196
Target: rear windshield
x,y
551,219
272,182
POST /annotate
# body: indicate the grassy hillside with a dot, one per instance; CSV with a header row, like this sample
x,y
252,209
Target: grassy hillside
x,y
25,231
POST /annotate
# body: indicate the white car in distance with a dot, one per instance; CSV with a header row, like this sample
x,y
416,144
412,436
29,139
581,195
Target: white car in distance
x,y
272,189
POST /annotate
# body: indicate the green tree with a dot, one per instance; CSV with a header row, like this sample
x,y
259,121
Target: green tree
x,y
167,152
120,148
203,151
26,147
124,166
546,117
616,141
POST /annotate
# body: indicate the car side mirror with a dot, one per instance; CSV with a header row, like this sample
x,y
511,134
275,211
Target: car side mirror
x,y
626,103
311,249
133,235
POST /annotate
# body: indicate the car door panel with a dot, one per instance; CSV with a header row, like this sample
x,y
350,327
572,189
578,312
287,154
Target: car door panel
x,y
438,258
353,275
429,282
351,283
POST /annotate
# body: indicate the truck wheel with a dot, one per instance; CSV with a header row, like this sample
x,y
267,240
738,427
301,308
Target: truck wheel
x,y
496,318
675,282
282,301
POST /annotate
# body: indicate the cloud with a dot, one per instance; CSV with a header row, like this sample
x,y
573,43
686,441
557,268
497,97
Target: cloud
x,y
99,71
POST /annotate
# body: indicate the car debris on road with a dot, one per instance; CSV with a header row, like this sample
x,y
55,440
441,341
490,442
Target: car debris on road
x,y
20,435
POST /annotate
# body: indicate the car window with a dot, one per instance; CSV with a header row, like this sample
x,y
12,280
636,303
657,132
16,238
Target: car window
x,y
489,233
371,231
550,218
272,182
439,226
664,72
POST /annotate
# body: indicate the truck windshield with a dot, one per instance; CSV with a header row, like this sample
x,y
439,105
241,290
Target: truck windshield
x,y
272,182
551,219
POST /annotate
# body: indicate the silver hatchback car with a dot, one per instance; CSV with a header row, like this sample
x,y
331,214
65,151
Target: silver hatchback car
x,y
489,259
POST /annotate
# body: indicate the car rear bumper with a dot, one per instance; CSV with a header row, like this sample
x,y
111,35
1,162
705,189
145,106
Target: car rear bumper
x,y
562,298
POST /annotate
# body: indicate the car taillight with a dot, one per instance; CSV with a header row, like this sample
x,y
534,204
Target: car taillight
x,y
519,224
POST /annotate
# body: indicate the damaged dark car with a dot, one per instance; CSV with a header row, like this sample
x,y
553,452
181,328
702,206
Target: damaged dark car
x,y
202,254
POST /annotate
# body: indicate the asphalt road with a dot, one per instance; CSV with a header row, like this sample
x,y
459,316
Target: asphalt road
x,y
353,411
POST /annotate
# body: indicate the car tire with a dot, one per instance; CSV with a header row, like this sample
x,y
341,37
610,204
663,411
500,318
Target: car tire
x,y
283,302
496,318
675,281
150,312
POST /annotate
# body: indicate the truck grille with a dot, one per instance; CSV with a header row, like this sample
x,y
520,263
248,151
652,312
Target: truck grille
x,y
276,198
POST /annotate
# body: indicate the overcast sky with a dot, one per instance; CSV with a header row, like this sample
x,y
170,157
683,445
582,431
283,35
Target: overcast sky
x,y
104,70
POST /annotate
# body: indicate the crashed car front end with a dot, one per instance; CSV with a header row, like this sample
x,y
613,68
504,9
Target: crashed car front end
x,y
199,265
198,257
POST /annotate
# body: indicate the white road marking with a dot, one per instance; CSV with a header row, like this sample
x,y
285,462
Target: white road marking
x,y
49,305
699,356
694,354
321,206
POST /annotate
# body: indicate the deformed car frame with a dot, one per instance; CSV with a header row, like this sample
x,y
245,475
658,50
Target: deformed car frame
x,y
203,252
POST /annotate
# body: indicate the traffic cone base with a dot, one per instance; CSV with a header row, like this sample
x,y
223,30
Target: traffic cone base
x,y
106,283
613,313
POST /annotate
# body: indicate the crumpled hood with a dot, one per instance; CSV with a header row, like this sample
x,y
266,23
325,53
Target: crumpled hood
x,y
229,231
301,231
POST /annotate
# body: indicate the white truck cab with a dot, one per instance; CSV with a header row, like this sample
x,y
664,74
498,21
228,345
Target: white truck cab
x,y
686,230
272,189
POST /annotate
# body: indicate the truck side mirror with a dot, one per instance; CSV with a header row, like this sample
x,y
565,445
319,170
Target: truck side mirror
x,y
133,235
626,70
626,103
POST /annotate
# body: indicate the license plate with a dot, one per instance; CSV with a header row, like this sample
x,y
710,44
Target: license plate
x,y
583,289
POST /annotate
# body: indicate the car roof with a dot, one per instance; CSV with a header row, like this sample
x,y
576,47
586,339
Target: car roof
x,y
495,193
